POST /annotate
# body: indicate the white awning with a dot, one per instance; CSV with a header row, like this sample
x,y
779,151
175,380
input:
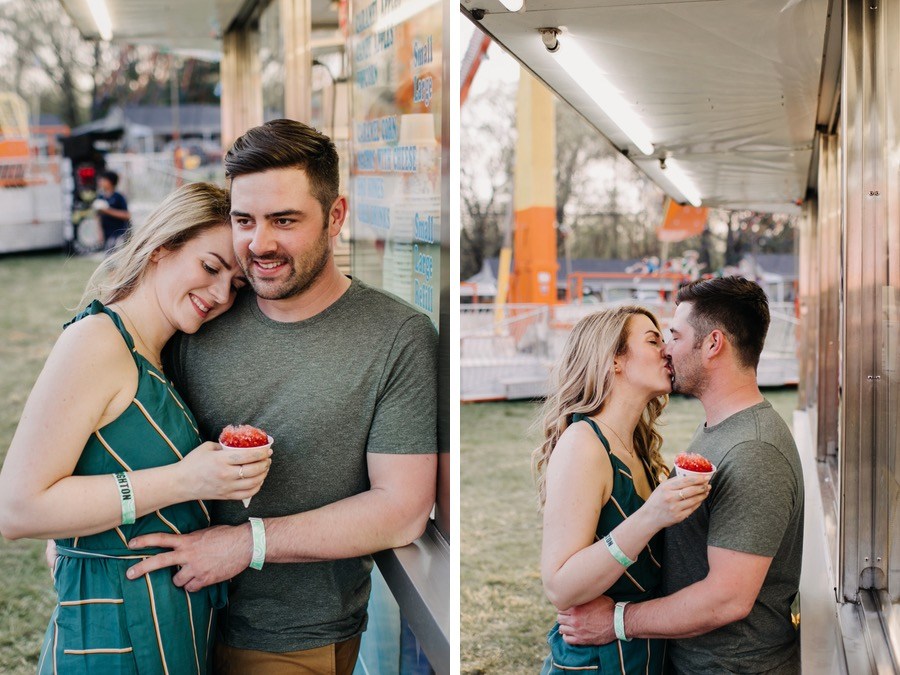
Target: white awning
x,y
728,88
187,25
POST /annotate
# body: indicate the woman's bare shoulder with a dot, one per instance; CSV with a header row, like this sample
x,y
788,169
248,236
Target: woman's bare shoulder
x,y
579,441
581,433
93,341
581,464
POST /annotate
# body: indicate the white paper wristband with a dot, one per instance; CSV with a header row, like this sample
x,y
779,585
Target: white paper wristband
x,y
259,543
126,495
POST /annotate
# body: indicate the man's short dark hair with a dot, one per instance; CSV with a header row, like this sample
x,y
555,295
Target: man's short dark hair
x,y
111,176
288,144
735,305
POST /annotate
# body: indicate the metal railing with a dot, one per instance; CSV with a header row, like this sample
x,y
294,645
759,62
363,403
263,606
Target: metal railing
x,y
663,283
504,351
510,320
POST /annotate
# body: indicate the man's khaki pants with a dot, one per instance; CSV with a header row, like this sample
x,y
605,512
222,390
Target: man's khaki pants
x,y
333,659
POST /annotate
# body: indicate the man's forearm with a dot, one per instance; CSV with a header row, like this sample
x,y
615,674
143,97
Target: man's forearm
x,y
691,611
359,525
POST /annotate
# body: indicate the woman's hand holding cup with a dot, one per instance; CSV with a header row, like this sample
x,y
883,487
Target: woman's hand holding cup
x,y
677,498
215,472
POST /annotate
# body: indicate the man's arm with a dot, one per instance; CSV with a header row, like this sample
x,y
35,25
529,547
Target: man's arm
x,y
750,508
726,595
392,512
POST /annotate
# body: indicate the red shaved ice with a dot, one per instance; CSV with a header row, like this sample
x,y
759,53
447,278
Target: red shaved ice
x,y
693,462
243,436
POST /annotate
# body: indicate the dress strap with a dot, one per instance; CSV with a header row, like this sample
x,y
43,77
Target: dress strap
x,y
580,417
97,307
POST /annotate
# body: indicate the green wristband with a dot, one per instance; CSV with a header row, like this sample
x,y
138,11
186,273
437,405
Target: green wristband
x,y
616,552
126,495
619,621
259,543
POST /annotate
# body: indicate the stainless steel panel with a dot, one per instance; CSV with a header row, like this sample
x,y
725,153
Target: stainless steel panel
x,y
873,507
867,411
806,352
877,645
889,356
827,296
855,531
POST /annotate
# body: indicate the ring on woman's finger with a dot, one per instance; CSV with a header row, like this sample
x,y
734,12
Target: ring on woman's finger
x,y
241,474
681,494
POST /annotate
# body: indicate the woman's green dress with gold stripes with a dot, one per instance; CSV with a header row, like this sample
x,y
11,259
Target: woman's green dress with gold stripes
x,y
639,582
105,623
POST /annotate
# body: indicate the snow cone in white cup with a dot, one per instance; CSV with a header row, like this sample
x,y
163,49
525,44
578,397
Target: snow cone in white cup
x,y
244,436
692,464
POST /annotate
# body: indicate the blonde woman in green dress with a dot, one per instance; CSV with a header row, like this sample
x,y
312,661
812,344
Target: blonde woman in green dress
x,y
599,478
106,450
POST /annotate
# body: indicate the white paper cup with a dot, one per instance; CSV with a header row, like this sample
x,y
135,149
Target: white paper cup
x,y
687,472
267,445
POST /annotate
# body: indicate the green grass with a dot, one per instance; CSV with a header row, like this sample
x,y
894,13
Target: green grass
x,y
36,293
504,617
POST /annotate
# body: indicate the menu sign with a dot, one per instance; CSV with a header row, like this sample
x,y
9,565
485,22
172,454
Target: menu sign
x,y
395,174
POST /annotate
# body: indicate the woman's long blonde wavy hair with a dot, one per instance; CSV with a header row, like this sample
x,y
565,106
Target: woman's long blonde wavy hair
x,y
186,213
581,382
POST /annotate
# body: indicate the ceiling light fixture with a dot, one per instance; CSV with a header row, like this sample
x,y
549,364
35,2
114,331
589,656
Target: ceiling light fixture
x,y
513,5
550,38
101,18
673,172
581,68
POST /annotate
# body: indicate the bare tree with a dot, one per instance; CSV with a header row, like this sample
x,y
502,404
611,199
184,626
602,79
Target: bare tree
x,y
47,59
487,146
578,148
751,232
142,75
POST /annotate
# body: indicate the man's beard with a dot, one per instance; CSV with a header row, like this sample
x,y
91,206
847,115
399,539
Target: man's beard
x,y
303,272
690,381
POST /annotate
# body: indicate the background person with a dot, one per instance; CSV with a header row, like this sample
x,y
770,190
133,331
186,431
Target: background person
x,y
112,210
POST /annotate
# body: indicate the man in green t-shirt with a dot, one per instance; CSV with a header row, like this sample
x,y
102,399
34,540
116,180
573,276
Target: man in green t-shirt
x,y
732,568
343,377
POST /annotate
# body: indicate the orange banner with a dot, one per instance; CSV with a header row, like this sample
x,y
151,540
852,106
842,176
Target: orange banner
x,y
682,222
